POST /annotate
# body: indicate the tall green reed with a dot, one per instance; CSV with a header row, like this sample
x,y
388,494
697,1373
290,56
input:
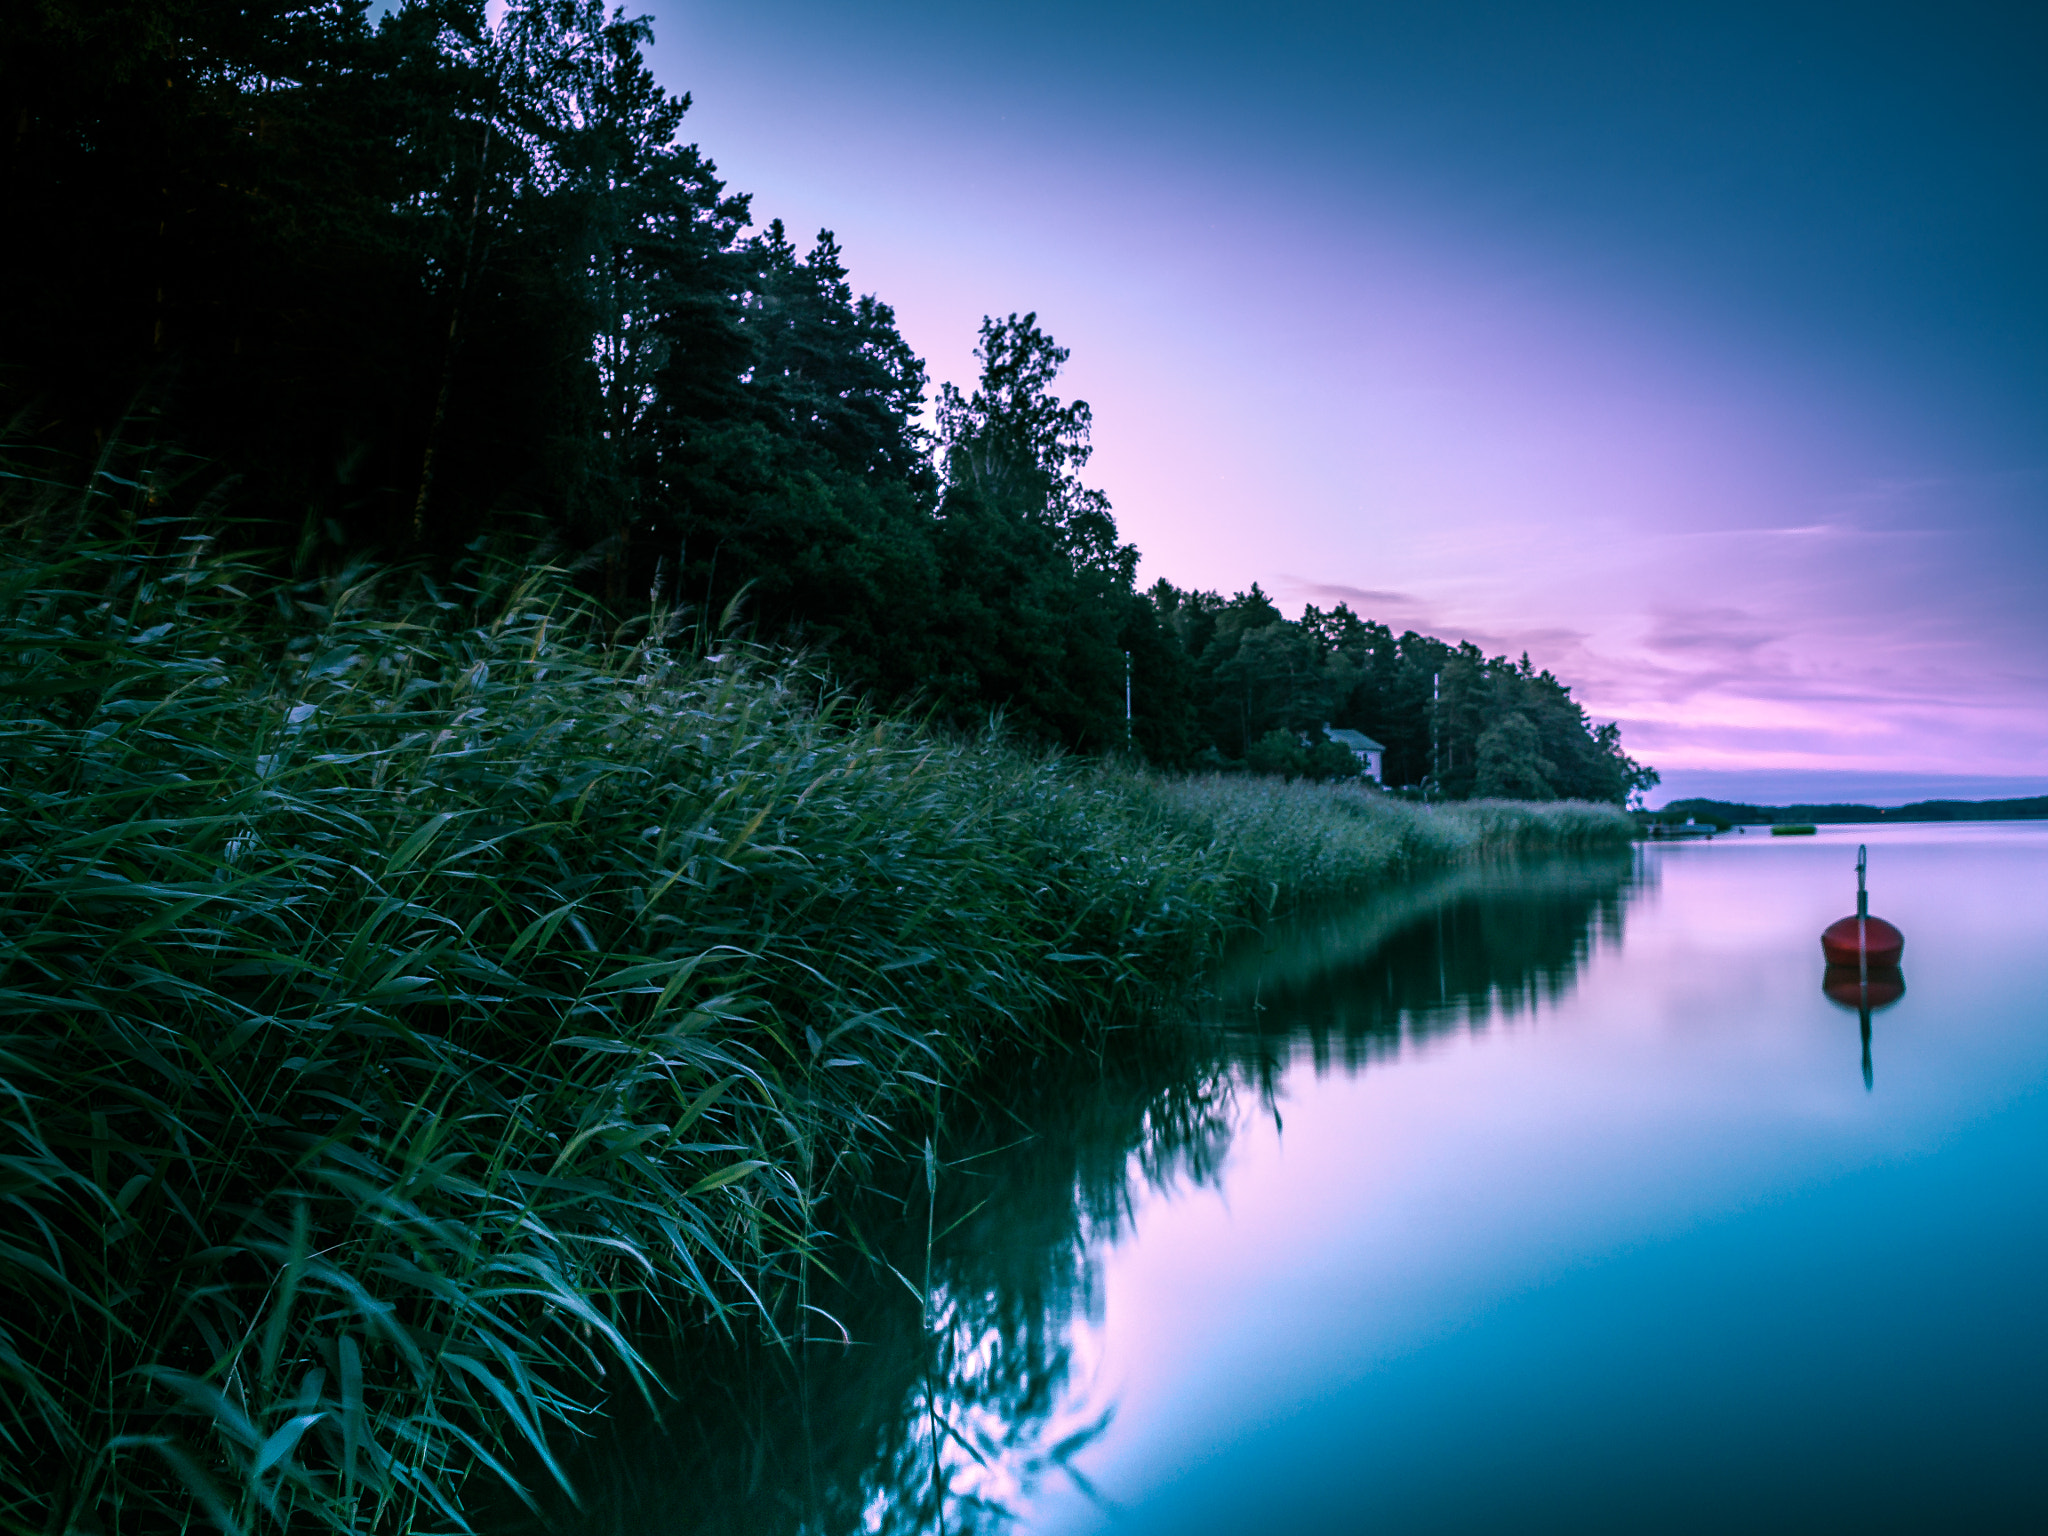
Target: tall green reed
x,y
410,996
406,998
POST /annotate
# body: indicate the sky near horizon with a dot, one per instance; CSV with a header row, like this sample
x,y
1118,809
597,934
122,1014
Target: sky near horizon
x,y
1699,350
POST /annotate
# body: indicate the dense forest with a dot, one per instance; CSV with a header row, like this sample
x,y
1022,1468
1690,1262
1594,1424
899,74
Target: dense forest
x,y
407,285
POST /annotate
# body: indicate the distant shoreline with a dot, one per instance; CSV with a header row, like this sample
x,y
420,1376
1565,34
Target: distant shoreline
x,y
1730,813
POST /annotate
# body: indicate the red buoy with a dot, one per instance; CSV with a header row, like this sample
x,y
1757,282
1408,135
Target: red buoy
x,y
1864,989
1862,940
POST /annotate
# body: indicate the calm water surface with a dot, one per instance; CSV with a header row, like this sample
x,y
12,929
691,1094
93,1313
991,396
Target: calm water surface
x,y
1549,1199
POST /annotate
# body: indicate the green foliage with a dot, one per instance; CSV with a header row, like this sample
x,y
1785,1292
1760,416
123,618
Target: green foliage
x,y
399,1008
1037,609
1510,761
1281,752
1275,752
1301,843
407,1001
1018,447
1454,721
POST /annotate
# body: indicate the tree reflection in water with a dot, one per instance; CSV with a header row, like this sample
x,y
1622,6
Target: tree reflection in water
x,y
835,1434
1454,952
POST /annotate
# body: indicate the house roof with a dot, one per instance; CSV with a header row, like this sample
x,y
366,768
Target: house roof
x,y
1357,741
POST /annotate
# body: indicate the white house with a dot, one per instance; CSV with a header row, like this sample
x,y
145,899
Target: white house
x,y
1368,752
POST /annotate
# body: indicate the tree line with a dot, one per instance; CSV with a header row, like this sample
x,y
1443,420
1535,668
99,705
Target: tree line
x,y
412,283
1453,720
1724,814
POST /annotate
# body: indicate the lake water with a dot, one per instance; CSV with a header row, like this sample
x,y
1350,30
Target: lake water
x,y
1548,1199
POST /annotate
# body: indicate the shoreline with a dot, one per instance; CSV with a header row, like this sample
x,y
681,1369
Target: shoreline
x,y
445,1000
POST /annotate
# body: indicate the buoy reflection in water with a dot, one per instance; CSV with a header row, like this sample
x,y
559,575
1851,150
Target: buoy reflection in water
x,y
1864,990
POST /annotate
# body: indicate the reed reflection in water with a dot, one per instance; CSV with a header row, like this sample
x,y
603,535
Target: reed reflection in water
x,y
836,1434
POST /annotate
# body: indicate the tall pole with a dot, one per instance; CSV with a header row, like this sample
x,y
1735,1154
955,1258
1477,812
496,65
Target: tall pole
x,y
1862,916
1127,698
1436,694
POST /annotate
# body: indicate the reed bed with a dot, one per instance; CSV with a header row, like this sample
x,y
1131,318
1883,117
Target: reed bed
x,y
1296,843
410,996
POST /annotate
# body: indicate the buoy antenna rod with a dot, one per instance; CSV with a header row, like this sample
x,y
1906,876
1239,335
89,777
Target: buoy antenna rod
x,y
1862,924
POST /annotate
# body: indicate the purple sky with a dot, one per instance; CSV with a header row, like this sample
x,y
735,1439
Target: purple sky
x,y
1701,351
